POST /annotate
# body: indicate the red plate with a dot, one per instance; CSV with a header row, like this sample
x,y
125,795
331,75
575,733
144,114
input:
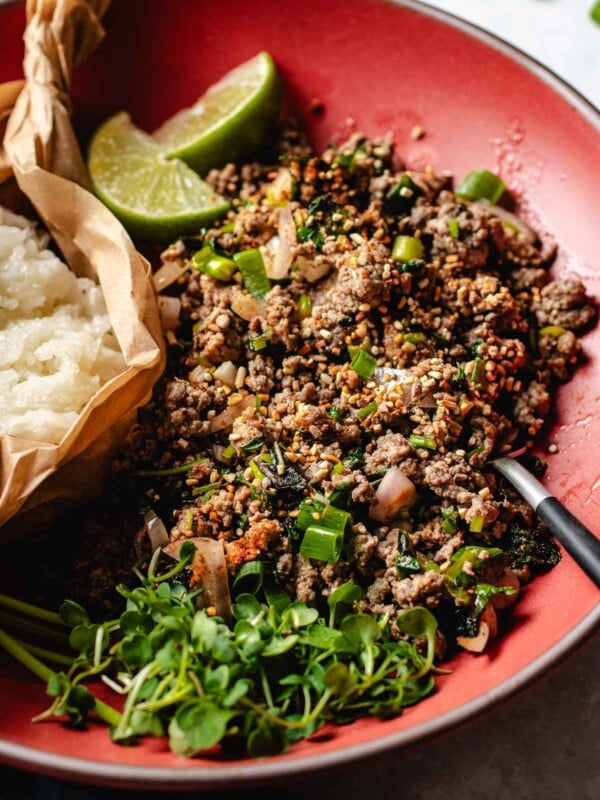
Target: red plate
x,y
481,103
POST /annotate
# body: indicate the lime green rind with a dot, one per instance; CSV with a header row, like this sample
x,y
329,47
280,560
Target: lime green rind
x,y
156,200
162,230
237,134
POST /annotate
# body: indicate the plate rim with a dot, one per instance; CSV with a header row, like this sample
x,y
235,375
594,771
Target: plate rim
x,y
89,771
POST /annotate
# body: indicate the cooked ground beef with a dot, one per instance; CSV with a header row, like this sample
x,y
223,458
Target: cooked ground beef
x,y
262,402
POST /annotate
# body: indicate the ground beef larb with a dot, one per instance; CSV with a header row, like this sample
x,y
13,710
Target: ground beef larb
x,y
469,342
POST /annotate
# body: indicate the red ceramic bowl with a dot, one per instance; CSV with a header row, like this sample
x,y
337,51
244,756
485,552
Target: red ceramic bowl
x,y
481,103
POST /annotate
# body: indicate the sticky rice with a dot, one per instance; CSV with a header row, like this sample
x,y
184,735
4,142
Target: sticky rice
x,y
57,346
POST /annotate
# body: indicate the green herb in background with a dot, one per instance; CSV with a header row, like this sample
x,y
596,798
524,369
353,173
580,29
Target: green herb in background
x,y
595,12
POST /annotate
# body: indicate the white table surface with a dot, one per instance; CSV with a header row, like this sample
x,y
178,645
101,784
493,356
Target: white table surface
x,y
544,743
558,33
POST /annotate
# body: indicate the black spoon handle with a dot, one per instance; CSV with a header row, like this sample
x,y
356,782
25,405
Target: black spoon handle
x,y
577,540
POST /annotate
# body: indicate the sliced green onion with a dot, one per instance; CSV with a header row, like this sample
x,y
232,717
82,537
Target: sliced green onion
x,y
363,364
256,471
365,412
407,248
252,572
414,338
322,544
476,525
228,228
454,228
324,539
229,451
476,451
481,184
365,345
218,267
477,371
338,468
258,343
307,513
257,402
595,12
422,441
552,330
305,306
253,271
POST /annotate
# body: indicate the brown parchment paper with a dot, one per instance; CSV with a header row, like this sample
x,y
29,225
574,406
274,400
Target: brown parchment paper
x,y
41,166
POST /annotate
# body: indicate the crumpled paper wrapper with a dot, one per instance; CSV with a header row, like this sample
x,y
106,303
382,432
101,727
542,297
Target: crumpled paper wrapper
x,y
42,169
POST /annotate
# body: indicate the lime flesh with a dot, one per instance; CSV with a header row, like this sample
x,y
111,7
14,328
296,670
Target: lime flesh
x,y
230,122
155,198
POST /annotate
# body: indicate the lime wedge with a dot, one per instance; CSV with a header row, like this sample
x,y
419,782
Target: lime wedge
x,y
155,199
231,121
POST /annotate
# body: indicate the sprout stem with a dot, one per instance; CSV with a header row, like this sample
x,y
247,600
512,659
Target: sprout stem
x,y
16,650
29,609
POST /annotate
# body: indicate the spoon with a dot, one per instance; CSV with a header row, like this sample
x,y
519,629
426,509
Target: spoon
x,y
577,540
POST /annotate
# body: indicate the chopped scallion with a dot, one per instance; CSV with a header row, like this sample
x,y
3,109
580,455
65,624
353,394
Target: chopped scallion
x,y
304,305
454,228
414,338
209,262
552,330
309,511
407,248
481,184
229,452
365,412
422,441
256,472
338,468
253,271
475,451
476,525
324,539
363,364
477,371
258,343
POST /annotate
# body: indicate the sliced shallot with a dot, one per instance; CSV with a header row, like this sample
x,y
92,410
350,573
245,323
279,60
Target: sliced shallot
x,y
506,216
488,628
312,271
209,573
225,418
246,306
394,493
226,373
169,309
500,600
278,250
170,272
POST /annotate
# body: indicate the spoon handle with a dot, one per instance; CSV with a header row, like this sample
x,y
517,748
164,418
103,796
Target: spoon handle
x,y
577,540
